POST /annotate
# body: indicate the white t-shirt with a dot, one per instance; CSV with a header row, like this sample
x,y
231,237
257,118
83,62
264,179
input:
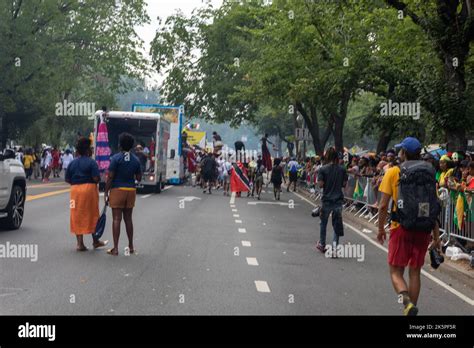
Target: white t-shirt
x,y
220,166
67,159
293,166
48,159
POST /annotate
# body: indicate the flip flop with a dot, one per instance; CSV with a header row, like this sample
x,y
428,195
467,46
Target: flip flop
x,y
111,252
82,249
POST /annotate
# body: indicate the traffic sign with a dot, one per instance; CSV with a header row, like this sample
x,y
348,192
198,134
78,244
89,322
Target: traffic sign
x,y
302,134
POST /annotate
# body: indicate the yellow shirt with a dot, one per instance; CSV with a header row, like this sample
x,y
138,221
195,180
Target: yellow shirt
x,y
28,159
389,186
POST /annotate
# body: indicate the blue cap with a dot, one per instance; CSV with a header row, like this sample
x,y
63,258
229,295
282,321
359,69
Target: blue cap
x,y
411,145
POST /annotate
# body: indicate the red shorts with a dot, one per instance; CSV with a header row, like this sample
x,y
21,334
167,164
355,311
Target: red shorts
x,y
407,248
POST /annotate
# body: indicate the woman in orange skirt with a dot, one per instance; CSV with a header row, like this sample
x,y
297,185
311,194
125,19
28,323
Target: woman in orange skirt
x,y
83,175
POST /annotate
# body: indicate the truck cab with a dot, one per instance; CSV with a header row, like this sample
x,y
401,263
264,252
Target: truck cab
x,y
12,191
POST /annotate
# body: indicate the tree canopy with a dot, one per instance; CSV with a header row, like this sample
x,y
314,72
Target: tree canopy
x,y
227,64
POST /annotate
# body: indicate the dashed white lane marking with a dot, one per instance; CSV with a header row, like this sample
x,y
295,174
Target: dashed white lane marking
x,y
252,261
234,210
242,230
232,205
272,203
146,196
232,198
236,215
238,221
246,243
262,286
426,274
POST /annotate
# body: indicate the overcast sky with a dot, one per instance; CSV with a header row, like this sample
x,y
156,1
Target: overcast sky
x,y
163,9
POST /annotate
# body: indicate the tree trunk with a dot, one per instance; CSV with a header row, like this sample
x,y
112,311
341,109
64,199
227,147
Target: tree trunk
x,y
339,133
278,144
456,139
452,34
327,133
384,139
455,80
339,120
311,120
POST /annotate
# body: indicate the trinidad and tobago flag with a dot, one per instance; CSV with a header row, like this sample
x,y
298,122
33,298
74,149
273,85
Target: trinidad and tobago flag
x,y
239,182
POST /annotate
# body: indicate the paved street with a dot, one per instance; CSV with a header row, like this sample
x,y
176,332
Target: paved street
x,y
186,262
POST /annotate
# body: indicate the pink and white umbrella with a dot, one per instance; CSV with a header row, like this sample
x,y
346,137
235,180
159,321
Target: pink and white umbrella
x,y
102,151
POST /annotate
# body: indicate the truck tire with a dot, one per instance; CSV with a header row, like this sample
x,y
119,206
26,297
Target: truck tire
x,y
158,186
15,208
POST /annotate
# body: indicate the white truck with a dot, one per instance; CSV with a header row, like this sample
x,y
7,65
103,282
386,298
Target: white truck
x,y
174,115
12,191
151,131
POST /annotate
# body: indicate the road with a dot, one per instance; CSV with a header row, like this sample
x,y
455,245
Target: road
x,y
188,264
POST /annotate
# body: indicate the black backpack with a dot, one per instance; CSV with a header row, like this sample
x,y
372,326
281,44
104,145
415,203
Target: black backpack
x,y
417,205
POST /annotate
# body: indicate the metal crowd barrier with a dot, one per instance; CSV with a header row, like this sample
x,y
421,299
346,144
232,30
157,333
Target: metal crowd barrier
x,y
448,226
366,205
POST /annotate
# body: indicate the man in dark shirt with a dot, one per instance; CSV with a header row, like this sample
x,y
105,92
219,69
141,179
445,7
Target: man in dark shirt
x,y
239,148
208,170
216,137
259,160
332,178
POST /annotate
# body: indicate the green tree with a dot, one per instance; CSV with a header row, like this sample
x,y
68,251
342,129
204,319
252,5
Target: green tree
x,y
449,24
64,50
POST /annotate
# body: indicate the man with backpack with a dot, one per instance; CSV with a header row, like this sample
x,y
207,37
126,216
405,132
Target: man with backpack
x,y
414,215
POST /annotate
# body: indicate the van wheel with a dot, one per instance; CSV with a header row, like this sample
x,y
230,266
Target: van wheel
x,y
158,186
15,208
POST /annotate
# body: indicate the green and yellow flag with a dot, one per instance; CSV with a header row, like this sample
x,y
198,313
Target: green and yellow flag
x,y
460,209
358,191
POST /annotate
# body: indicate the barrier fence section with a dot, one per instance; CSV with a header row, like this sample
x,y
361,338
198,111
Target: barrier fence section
x,y
361,196
461,227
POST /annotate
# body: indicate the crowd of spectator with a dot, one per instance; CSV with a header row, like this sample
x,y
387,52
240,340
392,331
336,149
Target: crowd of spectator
x,y
454,170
